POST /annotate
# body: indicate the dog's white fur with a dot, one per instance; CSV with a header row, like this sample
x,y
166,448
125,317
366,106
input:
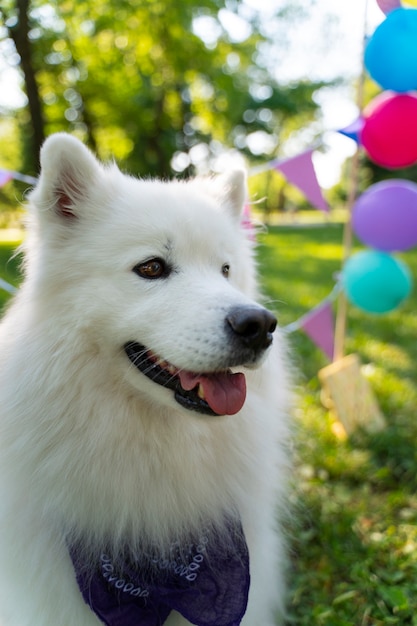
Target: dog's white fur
x,y
90,448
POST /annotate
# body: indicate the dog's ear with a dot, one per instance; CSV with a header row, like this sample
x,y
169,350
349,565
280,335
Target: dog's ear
x,y
68,172
230,189
235,185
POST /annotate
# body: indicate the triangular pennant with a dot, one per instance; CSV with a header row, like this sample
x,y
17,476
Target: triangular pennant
x,y
387,6
353,130
319,326
5,177
299,171
246,222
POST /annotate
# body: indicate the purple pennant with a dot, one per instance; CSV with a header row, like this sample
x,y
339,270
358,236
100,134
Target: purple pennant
x,y
246,222
319,326
5,177
299,171
353,130
387,6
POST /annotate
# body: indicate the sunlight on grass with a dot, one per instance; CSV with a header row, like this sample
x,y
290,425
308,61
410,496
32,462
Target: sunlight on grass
x,y
11,235
397,357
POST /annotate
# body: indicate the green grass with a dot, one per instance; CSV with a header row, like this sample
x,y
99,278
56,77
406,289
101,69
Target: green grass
x,y
354,539
354,545
9,265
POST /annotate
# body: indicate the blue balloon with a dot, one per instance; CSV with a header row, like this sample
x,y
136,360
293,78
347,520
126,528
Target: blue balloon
x,y
376,282
391,53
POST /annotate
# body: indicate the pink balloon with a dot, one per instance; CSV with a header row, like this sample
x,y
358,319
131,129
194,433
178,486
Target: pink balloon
x,y
389,133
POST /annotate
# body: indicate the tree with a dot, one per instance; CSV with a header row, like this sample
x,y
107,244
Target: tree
x,y
18,28
147,81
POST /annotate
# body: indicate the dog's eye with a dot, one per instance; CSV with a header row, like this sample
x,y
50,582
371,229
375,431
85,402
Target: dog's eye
x,y
154,268
226,270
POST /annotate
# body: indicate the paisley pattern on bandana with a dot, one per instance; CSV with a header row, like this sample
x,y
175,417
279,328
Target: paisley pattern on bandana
x,y
206,582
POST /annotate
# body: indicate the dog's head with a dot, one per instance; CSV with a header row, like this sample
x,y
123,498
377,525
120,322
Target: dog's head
x,y
158,276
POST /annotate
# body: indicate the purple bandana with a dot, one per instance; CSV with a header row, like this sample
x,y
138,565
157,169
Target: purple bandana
x,y
207,583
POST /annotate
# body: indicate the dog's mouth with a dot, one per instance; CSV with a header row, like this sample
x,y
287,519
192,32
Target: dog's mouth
x,y
215,393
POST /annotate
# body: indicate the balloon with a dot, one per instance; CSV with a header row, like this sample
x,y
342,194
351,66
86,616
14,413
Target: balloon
x,y
391,53
376,282
389,133
385,216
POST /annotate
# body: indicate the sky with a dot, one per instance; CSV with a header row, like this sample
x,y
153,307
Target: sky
x,y
317,48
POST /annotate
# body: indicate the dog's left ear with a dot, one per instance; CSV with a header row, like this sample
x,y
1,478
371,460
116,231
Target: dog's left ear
x,y
68,172
236,191
231,191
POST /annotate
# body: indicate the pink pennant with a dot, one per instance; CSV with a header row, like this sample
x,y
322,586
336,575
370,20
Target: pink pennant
x,y
387,6
300,172
5,177
246,222
319,326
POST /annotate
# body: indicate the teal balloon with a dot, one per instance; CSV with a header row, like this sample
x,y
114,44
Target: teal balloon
x,y
376,282
391,53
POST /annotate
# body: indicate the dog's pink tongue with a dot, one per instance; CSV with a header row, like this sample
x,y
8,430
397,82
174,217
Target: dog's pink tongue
x,y
224,392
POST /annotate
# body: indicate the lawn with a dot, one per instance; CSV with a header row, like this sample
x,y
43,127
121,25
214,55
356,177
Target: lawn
x,y
354,539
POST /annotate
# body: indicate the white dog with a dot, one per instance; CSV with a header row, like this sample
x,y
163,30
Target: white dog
x,y
143,408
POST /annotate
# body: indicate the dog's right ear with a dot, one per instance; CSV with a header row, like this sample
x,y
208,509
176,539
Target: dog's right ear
x,y
68,172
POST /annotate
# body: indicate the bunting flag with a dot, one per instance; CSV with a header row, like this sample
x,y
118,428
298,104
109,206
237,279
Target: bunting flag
x,y
353,130
5,177
387,6
247,223
318,324
299,171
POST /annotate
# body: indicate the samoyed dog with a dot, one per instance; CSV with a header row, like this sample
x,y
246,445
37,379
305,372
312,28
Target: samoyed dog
x,y
143,407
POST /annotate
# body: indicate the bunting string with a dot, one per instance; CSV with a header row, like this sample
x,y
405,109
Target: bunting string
x,y
299,324
8,175
298,170
7,286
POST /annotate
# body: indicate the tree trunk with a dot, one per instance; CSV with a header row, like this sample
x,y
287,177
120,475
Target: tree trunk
x,y
20,35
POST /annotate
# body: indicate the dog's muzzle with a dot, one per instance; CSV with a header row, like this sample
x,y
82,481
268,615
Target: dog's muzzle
x,y
221,392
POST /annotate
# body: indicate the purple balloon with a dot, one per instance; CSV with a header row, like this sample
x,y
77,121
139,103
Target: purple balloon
x,y
385,216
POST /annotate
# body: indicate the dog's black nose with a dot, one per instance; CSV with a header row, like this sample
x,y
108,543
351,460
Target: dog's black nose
x,y
253,325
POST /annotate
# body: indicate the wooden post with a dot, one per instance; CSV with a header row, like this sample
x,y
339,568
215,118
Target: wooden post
x,y
342,304
345,391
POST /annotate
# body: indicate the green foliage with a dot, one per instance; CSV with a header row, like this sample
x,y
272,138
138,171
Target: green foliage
x,y
9,159
136,81
9,268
